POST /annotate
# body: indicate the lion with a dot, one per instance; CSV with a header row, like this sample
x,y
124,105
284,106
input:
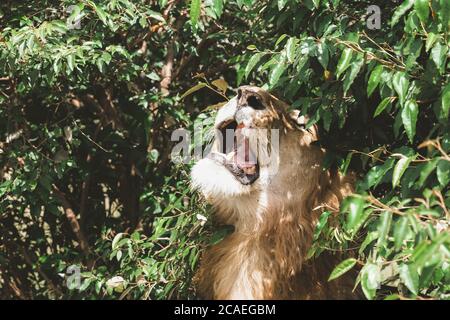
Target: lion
x,y
267,181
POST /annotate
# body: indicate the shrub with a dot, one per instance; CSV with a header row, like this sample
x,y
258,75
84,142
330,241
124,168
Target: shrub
x,y
87,110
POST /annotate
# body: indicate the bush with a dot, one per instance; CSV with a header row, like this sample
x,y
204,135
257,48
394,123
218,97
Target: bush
x,y
87,111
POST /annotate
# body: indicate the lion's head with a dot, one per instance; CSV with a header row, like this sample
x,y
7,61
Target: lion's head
x,y
262,155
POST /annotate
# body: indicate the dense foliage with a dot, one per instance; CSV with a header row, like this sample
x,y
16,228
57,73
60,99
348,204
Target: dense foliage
x,y
90,92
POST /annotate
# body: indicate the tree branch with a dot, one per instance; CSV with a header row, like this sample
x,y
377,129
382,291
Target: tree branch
x,y
74,224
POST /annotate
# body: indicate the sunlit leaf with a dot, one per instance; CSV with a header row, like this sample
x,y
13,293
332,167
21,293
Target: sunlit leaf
x,y
194,12
353,72
382,105
410,277
344,61
410,112
253,62
399,169
401,10
445,100
401,84
221,84
422,9
370,280
116,240
374,79
384,226
276,73
193,89
290,49
342,268
355,211
400,231
443,172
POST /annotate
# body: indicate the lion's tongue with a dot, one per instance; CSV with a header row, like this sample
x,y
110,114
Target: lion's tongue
x,y
244,158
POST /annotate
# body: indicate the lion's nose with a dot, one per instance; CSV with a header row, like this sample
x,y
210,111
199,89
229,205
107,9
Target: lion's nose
x,y
248,98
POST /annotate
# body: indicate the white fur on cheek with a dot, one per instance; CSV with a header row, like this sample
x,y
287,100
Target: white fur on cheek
x,y
215,181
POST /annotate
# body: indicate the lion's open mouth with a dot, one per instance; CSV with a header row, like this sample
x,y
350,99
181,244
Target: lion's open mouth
x,y
236,153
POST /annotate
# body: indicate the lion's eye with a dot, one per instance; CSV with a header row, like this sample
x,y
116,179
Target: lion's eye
x,y
255,103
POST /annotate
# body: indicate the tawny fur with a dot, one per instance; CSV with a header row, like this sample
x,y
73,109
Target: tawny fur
x,y
274,218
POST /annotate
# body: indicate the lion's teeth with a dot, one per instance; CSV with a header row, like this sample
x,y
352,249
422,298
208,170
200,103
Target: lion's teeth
x,y
230,156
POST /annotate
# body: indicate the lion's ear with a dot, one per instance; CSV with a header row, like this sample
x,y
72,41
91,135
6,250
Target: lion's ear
x,y
298,120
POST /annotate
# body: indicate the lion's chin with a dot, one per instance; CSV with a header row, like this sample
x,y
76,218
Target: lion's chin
x,y
215,181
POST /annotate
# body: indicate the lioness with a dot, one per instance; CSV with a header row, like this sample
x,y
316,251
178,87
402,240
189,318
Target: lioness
x,y
273,202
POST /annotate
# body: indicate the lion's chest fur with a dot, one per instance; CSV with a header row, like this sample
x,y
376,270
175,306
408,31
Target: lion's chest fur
x,y
234,269
262,256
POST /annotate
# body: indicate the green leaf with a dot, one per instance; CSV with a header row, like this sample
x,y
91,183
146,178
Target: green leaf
x,y
399,169
195,11
422,9
410,277
439,56
116,240
143,22
354,70
400,231
384,225
368,240
100,65
86,284
426,171
323,54
445,100
290,49
400,11
374,79
156,15
401,84
71,62
409,118
100,12
346,163
321,224
281,4
423,253
444,14
4,187
218,7
280,39
443,172
344,61
220,84
327,116
75,14
342,268
220,234
355,211
383,104
360,221
370,280
162,3
276,73
376,174
195,88
316,3
431,39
